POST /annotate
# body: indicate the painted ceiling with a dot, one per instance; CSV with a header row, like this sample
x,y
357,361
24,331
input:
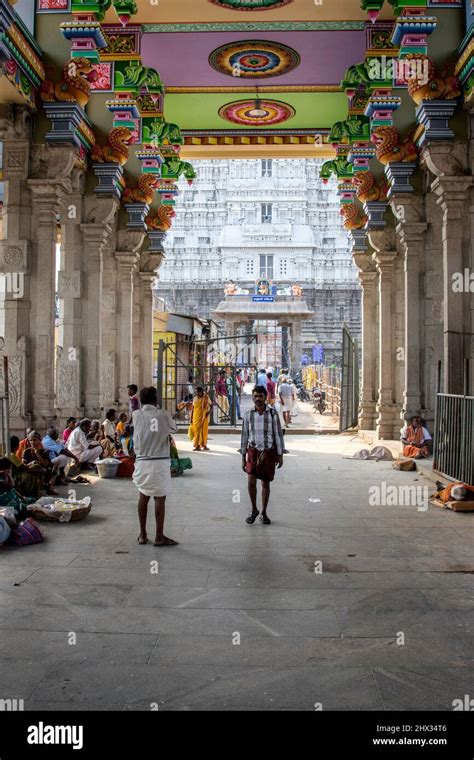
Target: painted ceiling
x,y
208,11
277,67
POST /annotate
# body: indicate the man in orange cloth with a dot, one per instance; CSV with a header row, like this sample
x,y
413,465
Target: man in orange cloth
x,y
454,492
415,438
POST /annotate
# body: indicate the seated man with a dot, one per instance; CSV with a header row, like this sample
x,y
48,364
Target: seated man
x,y
79,445
416,439
57,452
108,430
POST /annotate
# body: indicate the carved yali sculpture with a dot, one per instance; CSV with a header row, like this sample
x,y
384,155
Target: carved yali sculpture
x,y
424,83
391,148
116,148
75,86
353,217
144,192
367,188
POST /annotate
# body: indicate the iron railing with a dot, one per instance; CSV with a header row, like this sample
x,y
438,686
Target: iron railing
x,y
453,448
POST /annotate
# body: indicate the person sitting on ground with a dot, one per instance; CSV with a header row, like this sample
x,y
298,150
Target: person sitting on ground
x,y
178,465
83,449
286,396
36,458
416,439
59,455
24,443
122,432
27,482
95,432
9,496
70,425
108,433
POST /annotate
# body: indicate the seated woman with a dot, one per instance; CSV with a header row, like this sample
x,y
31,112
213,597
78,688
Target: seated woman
x,y
95,432
70,425
36,458
27,482
122,433
178,465
108,433
9,496
416,439
24,443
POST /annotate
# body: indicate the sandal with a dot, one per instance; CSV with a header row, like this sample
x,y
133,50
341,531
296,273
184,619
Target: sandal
x,y
252,517
265,519
165,542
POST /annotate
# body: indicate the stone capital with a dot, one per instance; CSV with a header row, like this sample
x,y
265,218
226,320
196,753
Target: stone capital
x,y
149,264
363,262
407,208
127,261
100,211
383,240
130,241
385,262
15,123
445,158
54,161
452,194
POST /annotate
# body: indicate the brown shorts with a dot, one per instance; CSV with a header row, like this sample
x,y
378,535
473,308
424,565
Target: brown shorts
x,y
262,464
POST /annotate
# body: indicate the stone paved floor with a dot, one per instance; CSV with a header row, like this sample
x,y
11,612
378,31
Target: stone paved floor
x,y
388,573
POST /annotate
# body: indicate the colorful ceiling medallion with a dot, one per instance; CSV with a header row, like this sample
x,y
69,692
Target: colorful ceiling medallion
x,y
257,113
250,5
254,58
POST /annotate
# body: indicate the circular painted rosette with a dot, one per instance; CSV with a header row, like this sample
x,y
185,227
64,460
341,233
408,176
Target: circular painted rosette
x,y
252,59
250,5
261,113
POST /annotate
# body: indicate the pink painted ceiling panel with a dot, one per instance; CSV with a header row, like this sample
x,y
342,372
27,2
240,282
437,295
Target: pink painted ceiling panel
x,y
182,58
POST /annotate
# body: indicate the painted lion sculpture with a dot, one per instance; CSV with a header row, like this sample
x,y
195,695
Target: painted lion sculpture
x,y
390,148
115,151
367,188
144,192
162,219
75,86
424,83
353,217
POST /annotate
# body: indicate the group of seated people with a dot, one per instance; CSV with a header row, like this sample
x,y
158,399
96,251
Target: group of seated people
x,y
35,464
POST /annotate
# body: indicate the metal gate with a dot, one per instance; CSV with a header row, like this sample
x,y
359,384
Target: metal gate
x,y
453,451
349,381
185,365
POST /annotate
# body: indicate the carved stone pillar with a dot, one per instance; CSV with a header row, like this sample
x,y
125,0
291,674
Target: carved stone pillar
x,y
387,410
129,243
447,161
108,375
296,344
46,202
149,264
411,233
15,258
368,279
100,214
68,351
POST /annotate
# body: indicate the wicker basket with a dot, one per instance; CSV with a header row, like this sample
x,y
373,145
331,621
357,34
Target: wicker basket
x,y
49,516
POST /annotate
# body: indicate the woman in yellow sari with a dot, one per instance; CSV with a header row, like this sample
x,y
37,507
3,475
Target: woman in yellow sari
x,y
200,419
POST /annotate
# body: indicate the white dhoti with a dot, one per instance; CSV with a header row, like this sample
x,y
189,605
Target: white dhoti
x,y
61,461
152,477
90,455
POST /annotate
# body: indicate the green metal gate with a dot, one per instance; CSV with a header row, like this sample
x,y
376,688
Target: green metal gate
x,y
350,381
181,367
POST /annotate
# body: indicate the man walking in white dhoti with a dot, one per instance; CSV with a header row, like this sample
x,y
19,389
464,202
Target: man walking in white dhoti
x,y
152,476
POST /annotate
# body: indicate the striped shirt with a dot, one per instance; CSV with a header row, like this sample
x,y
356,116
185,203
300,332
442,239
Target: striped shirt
x,y
262,431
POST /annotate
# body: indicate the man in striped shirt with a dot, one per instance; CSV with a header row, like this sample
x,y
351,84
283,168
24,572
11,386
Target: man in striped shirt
x,y
262,448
